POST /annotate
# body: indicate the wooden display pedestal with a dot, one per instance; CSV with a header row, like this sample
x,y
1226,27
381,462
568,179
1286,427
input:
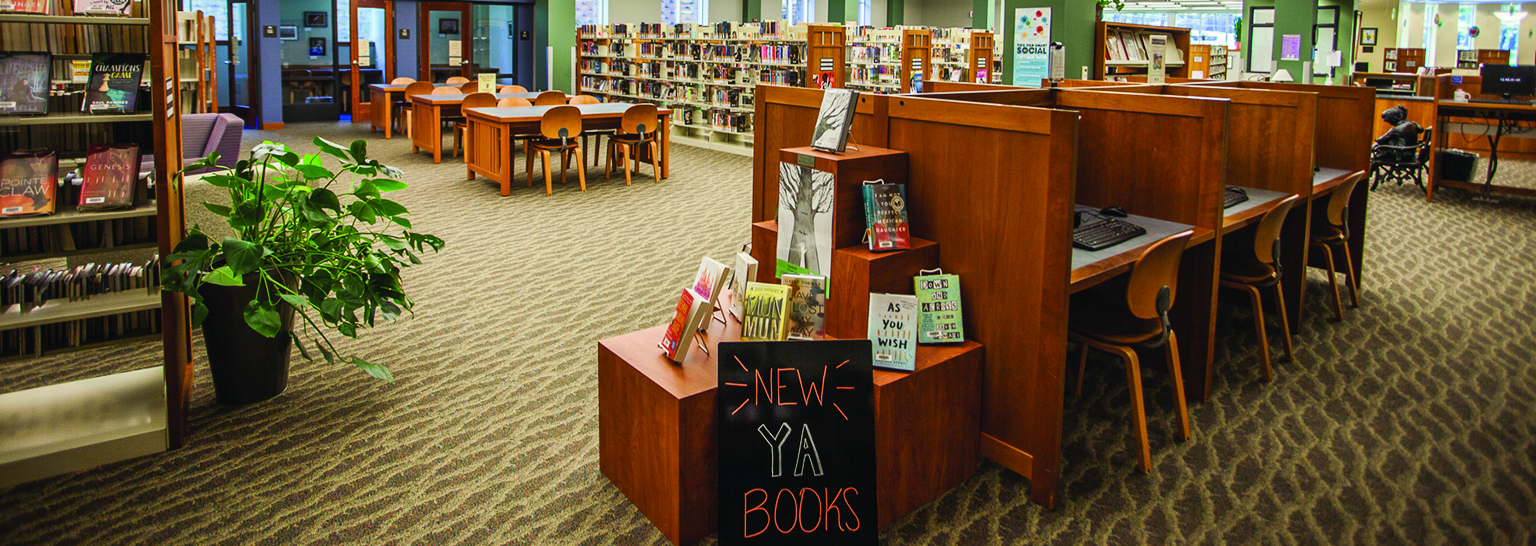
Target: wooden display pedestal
x,y
849,171
657,437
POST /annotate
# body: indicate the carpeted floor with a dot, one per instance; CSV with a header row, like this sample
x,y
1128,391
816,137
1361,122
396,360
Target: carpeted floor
x,y
1412,422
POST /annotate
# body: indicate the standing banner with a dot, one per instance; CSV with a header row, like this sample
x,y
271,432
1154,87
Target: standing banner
x,y
1031,46
1157,68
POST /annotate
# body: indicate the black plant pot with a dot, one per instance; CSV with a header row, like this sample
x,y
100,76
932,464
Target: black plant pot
x,y
247,366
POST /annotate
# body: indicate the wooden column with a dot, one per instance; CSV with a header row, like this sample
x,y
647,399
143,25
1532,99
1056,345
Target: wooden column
x,y
916,53
980,56
172,225
826,51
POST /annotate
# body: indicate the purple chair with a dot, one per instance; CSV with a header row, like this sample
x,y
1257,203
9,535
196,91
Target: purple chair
x,y
203,134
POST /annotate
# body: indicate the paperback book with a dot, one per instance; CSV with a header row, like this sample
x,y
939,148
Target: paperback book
x,y
885,216
765,312
114,84
101,7
744,272
110,172
893,331
679,336
28,181
834,120
807,306
939,315
24,6
24,83
707,283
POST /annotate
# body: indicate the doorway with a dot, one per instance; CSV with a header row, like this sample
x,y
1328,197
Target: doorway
x,y
371,52
443,27
311,83
240,69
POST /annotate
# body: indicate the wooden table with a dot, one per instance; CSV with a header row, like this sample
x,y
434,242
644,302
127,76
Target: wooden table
x,y
499,125
1484,111
1251,211
383,96
427,118
1092,267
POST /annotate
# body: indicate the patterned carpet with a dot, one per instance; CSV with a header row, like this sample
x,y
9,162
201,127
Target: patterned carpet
x,y
1412,422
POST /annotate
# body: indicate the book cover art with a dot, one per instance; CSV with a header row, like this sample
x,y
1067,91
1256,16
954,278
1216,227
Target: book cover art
x,y
24,83
708,282
885,216
79,71
764,312
834,120
28,181
805,221
679,334
24,6
110,172
917,82
744,272
939,315
101,7
893,330
982,76
114,84
807,307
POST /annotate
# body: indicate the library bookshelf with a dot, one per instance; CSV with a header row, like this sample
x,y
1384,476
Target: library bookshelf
x,y
1119,50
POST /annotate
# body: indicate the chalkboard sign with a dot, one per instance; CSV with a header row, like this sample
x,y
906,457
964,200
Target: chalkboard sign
x,y
797,443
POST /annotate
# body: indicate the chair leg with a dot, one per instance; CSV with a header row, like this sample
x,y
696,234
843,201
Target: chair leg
x,y
1082,366
1258,325
581,168
1138,410
655,164
628,151
1285,322
1178,384
458,138
1349,275
549,189
608,168
1338,304
565,160
528,158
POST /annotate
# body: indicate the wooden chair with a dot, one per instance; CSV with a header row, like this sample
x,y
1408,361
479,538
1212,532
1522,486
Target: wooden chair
x,y
1102,320
512,102
402,80
461,126
516,102
446,91
512,89
470,88
404,107
559,128
589,99
455,80
550,98
637,128
1330,235
1249,271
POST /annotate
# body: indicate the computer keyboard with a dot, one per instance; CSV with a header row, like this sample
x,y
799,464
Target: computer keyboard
x,y
1234,195
1501,101
1105,233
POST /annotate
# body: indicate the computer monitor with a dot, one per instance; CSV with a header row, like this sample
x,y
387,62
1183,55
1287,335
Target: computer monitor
x,y
1509,81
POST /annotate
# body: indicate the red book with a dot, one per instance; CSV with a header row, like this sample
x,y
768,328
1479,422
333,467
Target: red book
x,y
684,321
110,172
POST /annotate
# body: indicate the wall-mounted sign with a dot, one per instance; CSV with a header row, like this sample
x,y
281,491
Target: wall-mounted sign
x,y
1290,47
269,31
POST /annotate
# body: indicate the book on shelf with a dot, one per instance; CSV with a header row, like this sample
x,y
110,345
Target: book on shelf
x,y
1113,49
24,291
708,282
893,330
28,182
765,312
101,7
916,85
940,319
79,71
24,82
110,173
834,120
114,83
982,76
744,271
807,307
25,6
885,216
685,320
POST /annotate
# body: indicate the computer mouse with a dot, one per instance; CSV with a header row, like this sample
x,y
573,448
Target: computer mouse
x,y
1116,212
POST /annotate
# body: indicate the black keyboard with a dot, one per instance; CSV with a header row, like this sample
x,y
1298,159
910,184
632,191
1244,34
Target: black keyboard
x,y
1501,101
1234,195
1105,233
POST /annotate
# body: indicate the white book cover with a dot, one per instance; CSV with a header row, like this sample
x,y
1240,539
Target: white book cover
x,y
893,331
744,271
708,281
805,221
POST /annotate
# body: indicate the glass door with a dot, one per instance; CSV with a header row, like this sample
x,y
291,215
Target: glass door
x,y
238,84
443,54
372,55
494,42
311,88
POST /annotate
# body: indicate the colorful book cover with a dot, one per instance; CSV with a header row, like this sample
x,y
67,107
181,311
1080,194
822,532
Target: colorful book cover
x,y
893,331
917,82
981,76
28,181
765,312
110,172
679,336
885,216
114,84
106,7
806,197
708,282
24,83
807,306
744,272
79,71
24,6
940,319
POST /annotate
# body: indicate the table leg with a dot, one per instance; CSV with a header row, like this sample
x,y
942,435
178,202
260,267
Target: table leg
x,y
666,146
437,134
1439,143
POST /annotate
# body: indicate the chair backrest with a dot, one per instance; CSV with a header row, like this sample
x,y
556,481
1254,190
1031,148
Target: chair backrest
x,y
479,100
512,102
561,117
1339,199
550,98
585,99
418,88
640,118
512,89
456,80
471,87
446,91
1425,141
1156,273
1269,229
402,80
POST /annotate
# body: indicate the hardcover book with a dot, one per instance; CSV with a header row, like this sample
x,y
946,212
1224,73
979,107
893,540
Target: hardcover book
x,y
885,216
917,82
805,215
707,283
24,83
679,335
834,120
744,272
114,84
807,306
110,172
28,181
765,312
893,330
103,7
939,315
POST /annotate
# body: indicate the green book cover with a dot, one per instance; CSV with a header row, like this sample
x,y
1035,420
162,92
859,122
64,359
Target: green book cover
x,y
939,315
765,312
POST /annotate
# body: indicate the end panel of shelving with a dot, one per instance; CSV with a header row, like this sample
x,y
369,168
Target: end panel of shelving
x,y
73,426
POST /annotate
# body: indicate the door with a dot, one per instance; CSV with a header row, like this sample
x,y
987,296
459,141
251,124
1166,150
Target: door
x,y
240,64
494,45
311,83
444,52
372,52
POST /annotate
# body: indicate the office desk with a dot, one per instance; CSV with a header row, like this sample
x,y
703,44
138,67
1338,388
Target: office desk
x,y
384,95
498,125
1092,267
1501,113
1249,212
427,119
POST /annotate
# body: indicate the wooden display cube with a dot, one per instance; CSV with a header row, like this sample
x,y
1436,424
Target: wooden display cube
x,y
765,248
857,271
849,171
927,427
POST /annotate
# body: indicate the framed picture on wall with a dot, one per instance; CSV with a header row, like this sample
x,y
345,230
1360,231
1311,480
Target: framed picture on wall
x,y
1367,36
287,32
317,47
447,26
316,19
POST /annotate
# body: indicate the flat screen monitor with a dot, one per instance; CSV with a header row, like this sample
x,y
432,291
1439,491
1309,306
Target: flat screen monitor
x,y
1509,81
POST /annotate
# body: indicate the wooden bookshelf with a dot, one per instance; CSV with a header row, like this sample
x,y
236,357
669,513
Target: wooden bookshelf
x,y
72,19
1111,65
960,54
1479,57
72,118
1402,59
826,53
874,60
1207,62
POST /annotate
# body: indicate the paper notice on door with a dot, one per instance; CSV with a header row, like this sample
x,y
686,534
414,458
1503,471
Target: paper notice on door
x,y
362,53
455,48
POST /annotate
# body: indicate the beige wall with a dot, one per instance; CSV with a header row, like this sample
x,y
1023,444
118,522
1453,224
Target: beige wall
x,y
1386,34
1445,37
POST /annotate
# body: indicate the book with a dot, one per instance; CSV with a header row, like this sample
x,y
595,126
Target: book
x,y
102,7
114,84
834,120
917,82
885,216
939,317
679,336
893,330
24,6
807,307
805,215
485,83
24,83
708,282
110,172
79,71
28,181
765,312
744,271
982,76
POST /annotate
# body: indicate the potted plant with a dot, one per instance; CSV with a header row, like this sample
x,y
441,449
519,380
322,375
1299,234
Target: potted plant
x,y
324,246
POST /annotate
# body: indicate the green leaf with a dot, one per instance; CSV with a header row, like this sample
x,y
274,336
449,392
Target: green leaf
x,y
330,358
242,256
314,172
391,311
223,277
296,300
193,242
389,208
222,180
365,190
314,213
393,243
247,213
220,210
300,344
402,222
359,150
325,198
199,312
347,329
330,148
373,369
385,184
263,318
330,309
362,212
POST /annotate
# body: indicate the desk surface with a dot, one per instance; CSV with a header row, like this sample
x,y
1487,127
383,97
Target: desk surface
x,y
1455,105
1259,202
1325,175
396,88
1089,267
533,113
458,98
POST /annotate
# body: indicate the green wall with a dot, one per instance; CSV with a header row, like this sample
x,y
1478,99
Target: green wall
x,y
1072,23
750,9
1300,17
895,12
839,11
981,13
554,26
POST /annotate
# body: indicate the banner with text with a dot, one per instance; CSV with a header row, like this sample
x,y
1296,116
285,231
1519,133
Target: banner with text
x,y
1031,46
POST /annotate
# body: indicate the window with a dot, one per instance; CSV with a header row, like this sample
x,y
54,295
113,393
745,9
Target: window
x,y
864,16
343,21
684,11
1209,28
1431,13
1509,37
219,9
798,11
1154,18
591,12
1464,25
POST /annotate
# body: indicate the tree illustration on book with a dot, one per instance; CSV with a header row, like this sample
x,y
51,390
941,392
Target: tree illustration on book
x,y
805,221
